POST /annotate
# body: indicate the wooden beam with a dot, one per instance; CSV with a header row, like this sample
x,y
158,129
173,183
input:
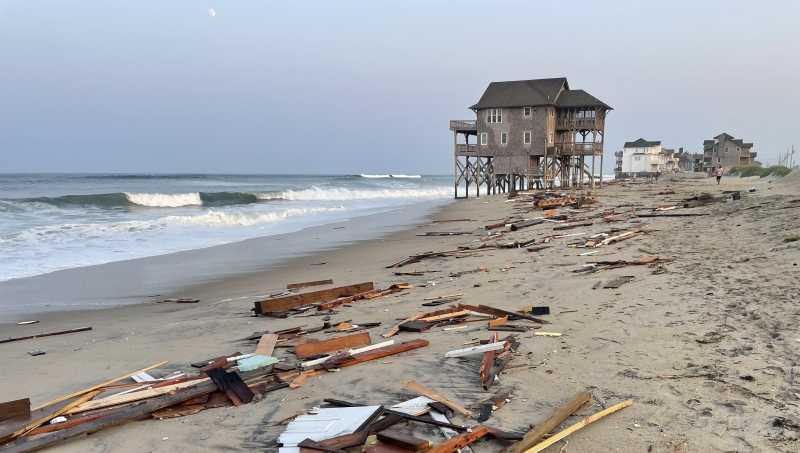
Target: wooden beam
x,y
382,352
544,428
393,331
266,345
313,348
577,426
462,440
15,409
47,334
405,441
282,304
436,396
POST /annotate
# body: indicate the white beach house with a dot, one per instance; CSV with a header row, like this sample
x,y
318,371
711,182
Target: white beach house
x,y
642,158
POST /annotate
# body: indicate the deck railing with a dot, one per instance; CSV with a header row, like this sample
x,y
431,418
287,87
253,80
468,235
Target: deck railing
x,y
463,125
463,149
576,123
579,148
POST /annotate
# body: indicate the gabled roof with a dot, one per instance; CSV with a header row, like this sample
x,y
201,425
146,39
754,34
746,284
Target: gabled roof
x,y
641,143
723,135
520,93
579,98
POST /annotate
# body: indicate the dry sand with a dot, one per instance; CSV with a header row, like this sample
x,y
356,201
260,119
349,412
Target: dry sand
x,y
705,345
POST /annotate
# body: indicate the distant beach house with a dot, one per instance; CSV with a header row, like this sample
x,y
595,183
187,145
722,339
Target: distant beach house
x,y
642,158
689,162
727,152
529,133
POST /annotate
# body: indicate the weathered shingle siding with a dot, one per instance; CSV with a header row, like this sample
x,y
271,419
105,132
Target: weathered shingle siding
x,y
514,155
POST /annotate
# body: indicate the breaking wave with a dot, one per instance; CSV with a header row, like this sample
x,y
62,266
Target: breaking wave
x,y
215,199
338,194
391,176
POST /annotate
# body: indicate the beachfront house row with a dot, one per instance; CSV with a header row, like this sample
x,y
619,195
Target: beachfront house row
x,y
641,158
529,133
727,152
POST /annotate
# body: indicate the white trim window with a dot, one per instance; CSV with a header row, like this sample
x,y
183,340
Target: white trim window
x,y
504,138
484,138
494,116
527,137
527,112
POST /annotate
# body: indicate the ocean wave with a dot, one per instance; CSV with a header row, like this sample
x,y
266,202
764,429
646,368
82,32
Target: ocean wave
x,y
391,176
147,199
165,200
340,194
219,218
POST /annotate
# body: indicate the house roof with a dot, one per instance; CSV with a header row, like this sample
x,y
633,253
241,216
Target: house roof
x,y
520,93
579,98
723,135
641,143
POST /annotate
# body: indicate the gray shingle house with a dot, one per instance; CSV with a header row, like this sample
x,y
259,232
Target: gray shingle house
x,y
529,133
727,152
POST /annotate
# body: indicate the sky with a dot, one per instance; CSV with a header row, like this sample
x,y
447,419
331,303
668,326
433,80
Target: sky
x,y
269,86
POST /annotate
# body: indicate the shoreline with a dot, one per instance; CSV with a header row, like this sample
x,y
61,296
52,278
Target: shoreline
x,y
172,275
712,308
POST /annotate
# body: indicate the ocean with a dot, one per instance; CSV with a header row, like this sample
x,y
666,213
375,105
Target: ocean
x,y
52,222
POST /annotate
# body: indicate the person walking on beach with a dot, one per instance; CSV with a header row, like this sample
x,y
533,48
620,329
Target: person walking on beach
x,y
718,174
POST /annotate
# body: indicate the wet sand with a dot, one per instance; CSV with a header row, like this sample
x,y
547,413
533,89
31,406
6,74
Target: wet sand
x,y
705,345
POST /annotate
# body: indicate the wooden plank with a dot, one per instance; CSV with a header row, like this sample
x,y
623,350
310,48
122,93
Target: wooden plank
x,y
328,281
577,426
414,418
285,303
382,352
499,312
462,440
403,440
498,322
436,396
442,317
313,348
474,350
115,400
266,345
544,428
15,409
42,420
382,447
95,387
393,331
47,334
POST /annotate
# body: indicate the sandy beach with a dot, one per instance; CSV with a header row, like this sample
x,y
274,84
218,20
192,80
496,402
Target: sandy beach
x,y
704,343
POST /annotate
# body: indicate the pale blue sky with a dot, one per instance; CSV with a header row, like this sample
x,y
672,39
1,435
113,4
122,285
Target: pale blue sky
x,y
348,87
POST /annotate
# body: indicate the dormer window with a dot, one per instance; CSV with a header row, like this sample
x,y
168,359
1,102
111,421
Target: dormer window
x,y
494,116
527,112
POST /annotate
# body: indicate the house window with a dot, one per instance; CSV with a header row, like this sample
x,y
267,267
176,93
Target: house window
x,y
526,112
494,116
484,138
526,137
504,138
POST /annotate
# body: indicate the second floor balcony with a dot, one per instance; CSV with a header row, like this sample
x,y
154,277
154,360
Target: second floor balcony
x,y
580,148
566,123
464,126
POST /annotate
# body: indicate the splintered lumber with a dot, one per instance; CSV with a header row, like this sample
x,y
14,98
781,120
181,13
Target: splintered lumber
x,y
313,348
47,334
307,284
498,322
232,384
414,418
15,409
617,238
572,225
266,345
524,224
285,303
499,312
42,420
405,441
383,352
486,371
436,396
542,429
393,331
577,426
444,316
95,387
115,400
476,349
462,440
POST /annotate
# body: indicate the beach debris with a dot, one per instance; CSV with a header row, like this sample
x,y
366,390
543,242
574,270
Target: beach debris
x,y
674,214
544,428
47,334
572,225
415,326
470,271
20,408
462,440
538,248
619,281
36,352
326,423
255,362
314,348
301,285
405,441
499,312
181,300
596,266
393,331
25,323
286,303
492,404
577,426
416,387
445,233
540,311
445,316
547,334
266,344
232,385
495,346
486,370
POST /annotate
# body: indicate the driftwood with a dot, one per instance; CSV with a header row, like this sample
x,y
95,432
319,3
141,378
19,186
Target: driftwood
x,y
48,334
542,429
577,426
